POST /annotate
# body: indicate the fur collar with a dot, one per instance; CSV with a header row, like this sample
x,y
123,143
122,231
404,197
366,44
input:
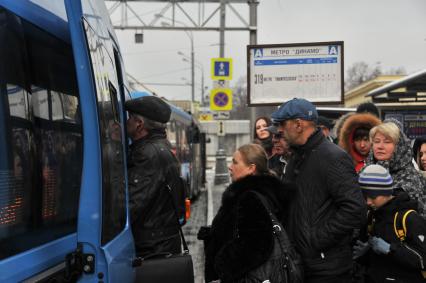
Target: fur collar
x,y
267,185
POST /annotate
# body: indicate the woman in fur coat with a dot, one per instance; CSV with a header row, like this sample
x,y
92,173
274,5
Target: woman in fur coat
x,y
240,238
354,137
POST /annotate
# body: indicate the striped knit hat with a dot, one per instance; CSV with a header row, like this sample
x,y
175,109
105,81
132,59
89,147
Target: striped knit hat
x,y
375,181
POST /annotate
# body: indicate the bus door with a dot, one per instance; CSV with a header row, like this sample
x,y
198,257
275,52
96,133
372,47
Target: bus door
x,y
103,232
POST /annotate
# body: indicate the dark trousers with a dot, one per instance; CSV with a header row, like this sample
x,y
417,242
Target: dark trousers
x,y
341,278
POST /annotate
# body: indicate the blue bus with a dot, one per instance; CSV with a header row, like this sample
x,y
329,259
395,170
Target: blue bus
x,y
63,179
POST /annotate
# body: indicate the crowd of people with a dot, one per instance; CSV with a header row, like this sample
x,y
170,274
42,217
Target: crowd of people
x,y
353,206
302,206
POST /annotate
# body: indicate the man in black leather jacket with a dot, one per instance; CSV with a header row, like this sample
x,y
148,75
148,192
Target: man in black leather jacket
x,y
151,167
328,204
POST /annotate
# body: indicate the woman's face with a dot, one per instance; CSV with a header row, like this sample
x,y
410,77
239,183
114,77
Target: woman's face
x,y
239,168
261,131
383,147
422,155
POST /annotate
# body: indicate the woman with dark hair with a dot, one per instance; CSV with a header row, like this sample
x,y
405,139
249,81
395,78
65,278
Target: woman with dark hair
x,y
354,137
261,135
419,154
240,238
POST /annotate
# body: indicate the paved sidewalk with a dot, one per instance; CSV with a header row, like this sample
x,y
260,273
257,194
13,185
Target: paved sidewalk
x,y
203,211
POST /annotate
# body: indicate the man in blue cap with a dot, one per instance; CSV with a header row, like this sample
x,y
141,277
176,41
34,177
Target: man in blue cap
x,y
328,204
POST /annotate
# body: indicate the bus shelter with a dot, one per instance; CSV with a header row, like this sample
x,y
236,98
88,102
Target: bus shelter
x,y
404,100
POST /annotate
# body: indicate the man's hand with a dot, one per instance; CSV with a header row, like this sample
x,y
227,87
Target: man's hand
x,y
360,249
379,245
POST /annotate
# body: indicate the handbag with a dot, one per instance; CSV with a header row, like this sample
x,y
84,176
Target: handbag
x,y
166,267
284,264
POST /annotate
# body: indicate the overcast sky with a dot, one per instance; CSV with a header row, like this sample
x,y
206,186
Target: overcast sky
x,y
391,33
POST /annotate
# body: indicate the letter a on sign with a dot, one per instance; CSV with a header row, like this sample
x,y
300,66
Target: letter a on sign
x,y
258,53
332,50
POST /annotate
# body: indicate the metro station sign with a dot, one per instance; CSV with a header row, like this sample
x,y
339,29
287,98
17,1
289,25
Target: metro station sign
x,y
279,72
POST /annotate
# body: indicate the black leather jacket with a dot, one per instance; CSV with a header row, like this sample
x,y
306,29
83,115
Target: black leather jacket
x,y
327,206
151,167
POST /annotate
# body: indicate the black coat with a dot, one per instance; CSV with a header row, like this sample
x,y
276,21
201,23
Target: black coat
x,y
152,166
405,260
327,206
241,236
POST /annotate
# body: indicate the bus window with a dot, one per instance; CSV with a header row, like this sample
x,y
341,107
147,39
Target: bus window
x,y
113,186
41,156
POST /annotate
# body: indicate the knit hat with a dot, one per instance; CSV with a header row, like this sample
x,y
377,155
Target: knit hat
x,y
375,180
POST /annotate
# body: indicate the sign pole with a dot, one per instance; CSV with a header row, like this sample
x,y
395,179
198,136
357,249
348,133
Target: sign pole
x,y
221,170
253,40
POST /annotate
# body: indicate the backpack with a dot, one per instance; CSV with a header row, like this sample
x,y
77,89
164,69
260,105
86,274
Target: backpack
x,y
284,265
399,224
400,228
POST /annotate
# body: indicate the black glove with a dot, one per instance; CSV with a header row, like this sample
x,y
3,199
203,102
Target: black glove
x,y
204,233
360,249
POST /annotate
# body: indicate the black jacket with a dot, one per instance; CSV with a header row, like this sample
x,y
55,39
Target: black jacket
x,y
241,237
405,260
327,206
277,164
151,167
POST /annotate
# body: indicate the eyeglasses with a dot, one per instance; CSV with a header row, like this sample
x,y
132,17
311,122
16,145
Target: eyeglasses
x,y
277,136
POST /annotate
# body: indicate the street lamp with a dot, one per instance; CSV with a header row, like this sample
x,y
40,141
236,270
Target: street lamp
x,y
191,38
201,68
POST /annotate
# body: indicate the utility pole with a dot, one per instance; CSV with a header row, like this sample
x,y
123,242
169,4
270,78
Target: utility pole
x,y
221,170
202,87
253,40
192,72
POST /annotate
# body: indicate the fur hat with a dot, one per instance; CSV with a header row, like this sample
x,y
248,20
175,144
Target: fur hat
x,y
150,107
375,181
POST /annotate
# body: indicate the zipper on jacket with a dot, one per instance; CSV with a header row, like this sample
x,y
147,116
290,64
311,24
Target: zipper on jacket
x,y
416,253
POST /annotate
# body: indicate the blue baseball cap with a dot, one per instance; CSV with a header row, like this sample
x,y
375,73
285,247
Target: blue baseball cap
x,y
294,109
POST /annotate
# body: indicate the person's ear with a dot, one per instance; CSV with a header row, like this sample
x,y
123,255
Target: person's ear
x,y
252,169
298,125
140,125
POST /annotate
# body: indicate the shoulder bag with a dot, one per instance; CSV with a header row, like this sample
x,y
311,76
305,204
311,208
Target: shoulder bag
x,y
166,267
284,264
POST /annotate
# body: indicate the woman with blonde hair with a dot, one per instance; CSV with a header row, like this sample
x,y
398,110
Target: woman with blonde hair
x,y
391,149
240,238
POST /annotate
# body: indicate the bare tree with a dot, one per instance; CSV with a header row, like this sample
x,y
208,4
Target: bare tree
x,y
361,72
240,111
